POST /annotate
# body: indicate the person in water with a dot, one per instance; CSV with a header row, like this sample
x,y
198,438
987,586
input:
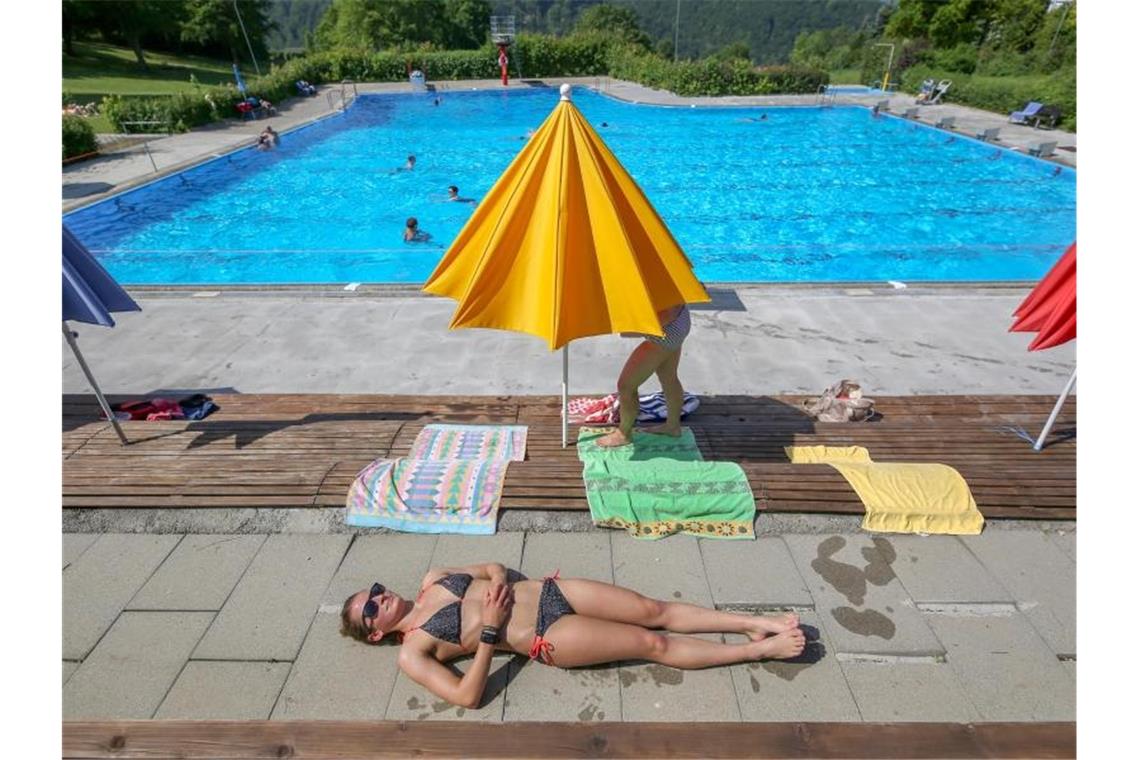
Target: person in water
x,y
564,622
413,233
454,197
411,163
653,355
268,139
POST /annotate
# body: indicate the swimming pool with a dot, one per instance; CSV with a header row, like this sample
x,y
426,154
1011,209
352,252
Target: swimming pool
x,y
775,194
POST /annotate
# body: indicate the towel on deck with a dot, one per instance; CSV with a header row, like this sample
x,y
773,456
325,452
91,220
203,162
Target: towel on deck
x,y
900,497
427,496
660,485
438,441
451,482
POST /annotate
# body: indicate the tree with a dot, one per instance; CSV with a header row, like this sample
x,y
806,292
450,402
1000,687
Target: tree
x,y
732,51
214,25
125,21
470,22
373,24
612,19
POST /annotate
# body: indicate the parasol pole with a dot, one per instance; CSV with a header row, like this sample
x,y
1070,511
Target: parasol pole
x,y
565,383
91,379
1052,417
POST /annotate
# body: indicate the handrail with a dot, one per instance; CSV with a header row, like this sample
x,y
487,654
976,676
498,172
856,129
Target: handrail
x,y
146,142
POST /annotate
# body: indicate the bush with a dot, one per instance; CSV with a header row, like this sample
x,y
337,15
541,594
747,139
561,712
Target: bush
x,y
961,59
708,77
1005,94
78,137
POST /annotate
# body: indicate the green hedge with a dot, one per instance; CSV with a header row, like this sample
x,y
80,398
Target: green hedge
x,y
538,55
1005,94
78,137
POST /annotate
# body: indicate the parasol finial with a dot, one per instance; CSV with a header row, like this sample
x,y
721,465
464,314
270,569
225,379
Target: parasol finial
x,y
564,91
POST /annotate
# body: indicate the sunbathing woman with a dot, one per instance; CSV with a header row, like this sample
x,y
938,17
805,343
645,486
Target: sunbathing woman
x,y
568,622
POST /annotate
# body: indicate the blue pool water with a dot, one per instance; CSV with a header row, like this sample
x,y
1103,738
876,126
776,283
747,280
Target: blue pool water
x,y
807,194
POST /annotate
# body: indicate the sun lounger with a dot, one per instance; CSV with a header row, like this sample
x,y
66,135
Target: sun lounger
x,y
1026,114
1047,117
1042,149
933,95
946,122
985,135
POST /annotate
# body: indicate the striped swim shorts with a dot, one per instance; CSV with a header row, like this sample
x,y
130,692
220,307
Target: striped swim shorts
x,y
675,332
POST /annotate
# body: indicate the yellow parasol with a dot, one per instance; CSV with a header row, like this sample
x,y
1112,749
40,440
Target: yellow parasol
x,y
565,246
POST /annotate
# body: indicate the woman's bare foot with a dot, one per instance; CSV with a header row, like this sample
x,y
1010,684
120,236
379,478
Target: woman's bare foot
x,y
782,646
670,430
766,625
613,440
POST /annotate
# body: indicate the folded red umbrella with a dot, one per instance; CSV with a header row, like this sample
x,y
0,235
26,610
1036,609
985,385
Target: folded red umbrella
x,y
1052,302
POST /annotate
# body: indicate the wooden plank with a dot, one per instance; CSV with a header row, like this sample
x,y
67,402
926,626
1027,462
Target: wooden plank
x,y
341,740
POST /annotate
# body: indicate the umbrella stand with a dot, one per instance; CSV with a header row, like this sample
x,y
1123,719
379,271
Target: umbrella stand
x,y
91,379
565,383
1056,411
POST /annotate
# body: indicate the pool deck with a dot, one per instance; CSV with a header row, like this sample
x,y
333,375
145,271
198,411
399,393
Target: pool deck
x,y
90,180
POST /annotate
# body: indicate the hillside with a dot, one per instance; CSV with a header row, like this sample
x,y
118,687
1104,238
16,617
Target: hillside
x,y
768,26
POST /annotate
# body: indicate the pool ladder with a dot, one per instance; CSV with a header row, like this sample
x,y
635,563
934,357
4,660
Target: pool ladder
x,y
342,94
825,96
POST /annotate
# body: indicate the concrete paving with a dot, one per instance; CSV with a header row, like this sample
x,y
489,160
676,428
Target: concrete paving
x,y
271,648
751,340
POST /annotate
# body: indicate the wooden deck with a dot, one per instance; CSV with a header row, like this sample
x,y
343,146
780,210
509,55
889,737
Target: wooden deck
x,y
343,739
304,450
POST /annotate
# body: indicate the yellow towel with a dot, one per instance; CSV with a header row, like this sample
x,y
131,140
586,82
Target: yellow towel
x,y
899,497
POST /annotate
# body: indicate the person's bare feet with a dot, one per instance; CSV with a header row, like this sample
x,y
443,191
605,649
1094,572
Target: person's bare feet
x,y
782,646
766,625
613,440
664,429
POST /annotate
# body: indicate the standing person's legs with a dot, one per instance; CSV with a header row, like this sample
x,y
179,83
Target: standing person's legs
x,y
577,640
642,363
674,395
622,605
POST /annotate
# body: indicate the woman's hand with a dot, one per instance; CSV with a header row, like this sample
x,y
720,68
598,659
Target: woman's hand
x,y
497,603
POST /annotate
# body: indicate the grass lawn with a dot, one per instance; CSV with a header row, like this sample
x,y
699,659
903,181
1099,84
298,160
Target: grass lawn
x,y
98,69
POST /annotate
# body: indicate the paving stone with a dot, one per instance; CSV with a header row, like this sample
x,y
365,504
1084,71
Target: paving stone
x,y
1039,575
860,601
1005,668
74,544
410,701
338,678
1066,541
1071,667
199,574
941,569
753,573
668,569
453,550
224,691
69,667
654,692
574,555
129,673
269,611
397,560
912,691
98,584
807,691
539,692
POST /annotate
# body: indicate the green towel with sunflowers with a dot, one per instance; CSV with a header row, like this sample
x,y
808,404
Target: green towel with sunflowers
x,y
661,485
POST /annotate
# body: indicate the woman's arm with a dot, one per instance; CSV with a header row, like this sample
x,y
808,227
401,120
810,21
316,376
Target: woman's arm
x,y
491,571
467,691
437,678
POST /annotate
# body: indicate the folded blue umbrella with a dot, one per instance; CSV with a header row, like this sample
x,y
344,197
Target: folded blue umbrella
x,y
240,81
91,295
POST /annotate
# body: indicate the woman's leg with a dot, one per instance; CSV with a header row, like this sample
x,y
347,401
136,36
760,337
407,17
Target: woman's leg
x,y
578,640
642,363
606,601
674,395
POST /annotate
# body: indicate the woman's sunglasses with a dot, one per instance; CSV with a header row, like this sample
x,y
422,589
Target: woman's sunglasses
x,y
371,607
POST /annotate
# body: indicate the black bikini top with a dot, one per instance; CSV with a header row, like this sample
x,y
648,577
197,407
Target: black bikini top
x,y
446,624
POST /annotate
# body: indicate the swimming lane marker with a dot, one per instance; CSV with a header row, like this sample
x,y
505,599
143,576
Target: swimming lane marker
x,y
896,284
352,286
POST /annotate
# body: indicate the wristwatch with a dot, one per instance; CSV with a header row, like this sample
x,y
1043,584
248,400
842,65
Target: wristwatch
x,y
490,635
